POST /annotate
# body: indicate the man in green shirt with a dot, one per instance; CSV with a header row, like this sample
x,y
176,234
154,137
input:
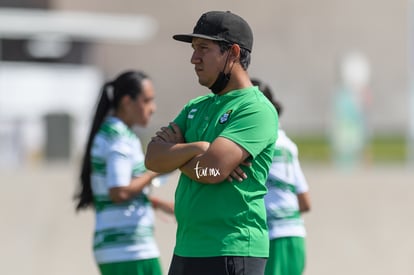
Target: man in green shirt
x,y
223,144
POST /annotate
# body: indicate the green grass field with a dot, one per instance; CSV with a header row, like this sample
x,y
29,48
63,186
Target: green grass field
x,y
380,149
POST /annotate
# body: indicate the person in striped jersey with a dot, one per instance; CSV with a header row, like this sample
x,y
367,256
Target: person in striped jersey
x,y
114,179
287,197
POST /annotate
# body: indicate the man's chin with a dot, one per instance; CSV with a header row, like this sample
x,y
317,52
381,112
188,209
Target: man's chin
x,y
203,83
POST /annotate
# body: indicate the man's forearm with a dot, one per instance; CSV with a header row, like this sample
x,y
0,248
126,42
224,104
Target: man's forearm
x,y
163,157
203,171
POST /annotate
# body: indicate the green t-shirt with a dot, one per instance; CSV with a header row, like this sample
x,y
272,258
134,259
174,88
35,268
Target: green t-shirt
x,y
228,218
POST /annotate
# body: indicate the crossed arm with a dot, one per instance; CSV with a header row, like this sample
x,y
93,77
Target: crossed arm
x,y
200,161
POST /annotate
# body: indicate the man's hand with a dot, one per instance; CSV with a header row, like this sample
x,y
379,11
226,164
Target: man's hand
x,y
169,134
238,174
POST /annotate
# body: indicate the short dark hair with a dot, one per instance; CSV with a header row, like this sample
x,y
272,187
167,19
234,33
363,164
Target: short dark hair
x,y
244,54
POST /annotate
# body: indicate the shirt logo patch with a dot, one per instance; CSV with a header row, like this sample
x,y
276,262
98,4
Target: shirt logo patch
x,y
225,116
191,113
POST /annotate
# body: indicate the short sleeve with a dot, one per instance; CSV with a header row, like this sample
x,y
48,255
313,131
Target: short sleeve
x,y
253,127
181,118
119,164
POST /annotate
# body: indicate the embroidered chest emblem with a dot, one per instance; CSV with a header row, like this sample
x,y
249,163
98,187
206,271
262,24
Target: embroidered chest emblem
x,y
225,117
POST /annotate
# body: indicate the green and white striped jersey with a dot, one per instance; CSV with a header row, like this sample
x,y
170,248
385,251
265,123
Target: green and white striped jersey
x,y
123,231
285,181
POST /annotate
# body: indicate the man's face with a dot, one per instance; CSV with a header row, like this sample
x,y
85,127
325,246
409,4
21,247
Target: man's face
x,y
208,60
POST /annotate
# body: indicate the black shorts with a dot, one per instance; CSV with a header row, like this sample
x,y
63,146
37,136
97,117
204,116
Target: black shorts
x,y
224,265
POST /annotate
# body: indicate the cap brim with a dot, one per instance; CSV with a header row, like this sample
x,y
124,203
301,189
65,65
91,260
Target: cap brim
x,y
189,37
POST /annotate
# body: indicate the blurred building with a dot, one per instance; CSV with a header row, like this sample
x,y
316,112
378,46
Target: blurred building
x,y
297,50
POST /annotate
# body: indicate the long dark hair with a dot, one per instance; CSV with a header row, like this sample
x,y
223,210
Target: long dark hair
x,y
127,83
267,91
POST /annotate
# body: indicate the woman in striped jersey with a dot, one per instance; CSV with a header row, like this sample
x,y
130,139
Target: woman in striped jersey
x,y
287,197
114,179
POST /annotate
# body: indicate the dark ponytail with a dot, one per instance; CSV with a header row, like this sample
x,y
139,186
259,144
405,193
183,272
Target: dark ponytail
x,y
84,195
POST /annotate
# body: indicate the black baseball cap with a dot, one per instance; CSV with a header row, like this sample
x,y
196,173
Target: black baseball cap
x,y
221,26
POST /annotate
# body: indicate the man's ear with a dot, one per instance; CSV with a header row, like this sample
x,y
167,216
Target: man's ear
x,y
235,51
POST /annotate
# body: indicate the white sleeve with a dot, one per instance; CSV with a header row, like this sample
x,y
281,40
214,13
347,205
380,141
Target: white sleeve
x,y
300,180
119,164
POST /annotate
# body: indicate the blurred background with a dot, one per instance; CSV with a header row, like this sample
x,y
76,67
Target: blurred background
x,y
342,69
